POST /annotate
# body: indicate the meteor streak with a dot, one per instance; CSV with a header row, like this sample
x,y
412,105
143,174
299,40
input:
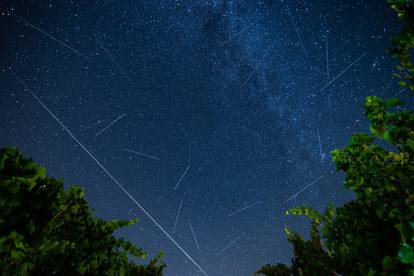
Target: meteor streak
x,y
50,36
110,175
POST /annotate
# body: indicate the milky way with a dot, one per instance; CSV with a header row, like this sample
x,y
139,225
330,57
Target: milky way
x,y
213,117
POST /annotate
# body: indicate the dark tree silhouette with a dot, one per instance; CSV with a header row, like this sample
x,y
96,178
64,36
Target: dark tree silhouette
x,y
45,229
374,233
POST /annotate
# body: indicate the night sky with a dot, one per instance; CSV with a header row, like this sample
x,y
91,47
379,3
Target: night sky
x,y
215,116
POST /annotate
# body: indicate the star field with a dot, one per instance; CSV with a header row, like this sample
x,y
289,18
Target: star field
x,y
215,116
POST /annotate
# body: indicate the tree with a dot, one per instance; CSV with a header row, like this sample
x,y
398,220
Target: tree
x,y
373,234
45,229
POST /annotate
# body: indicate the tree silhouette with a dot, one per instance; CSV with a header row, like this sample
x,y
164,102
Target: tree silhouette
x,y
45,229
374,233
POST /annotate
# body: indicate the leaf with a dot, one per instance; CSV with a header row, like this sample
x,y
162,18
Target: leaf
x,y
17,254
387,137
392,102
410,143
406,254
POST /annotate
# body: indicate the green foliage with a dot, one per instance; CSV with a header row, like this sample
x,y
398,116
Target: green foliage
x,y
371,234
274,270
374,233
406,253
45,229
404,42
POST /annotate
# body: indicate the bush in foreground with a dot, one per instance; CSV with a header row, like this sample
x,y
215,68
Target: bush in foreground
x,y
45,229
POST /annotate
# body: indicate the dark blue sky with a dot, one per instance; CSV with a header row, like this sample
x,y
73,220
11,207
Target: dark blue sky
x,y
228,109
